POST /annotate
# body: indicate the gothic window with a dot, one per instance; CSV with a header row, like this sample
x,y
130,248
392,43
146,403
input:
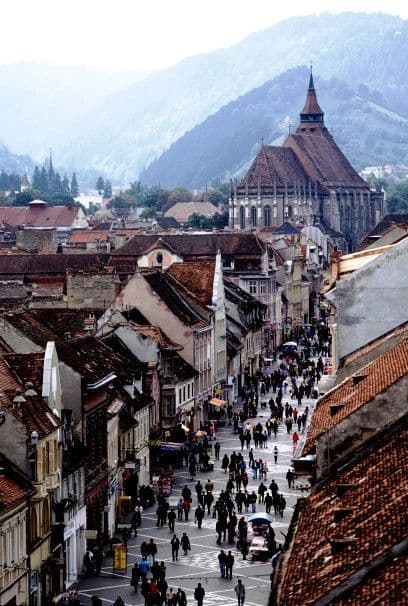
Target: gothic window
x,y
242,217
267,215
253,216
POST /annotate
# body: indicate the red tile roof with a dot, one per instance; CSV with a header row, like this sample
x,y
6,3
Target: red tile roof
x,y
378,375
188,245
197,277
323,161
14,488
182,211
85,236
50,264
39,216
389,585
348,522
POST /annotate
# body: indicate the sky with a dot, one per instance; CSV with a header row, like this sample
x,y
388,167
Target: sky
x,y
147,34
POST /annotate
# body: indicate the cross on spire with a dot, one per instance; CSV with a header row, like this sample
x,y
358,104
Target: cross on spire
x,y
289,126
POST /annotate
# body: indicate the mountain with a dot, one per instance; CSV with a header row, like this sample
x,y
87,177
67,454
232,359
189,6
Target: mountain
x,y
12,163
223,144
41,106
130,128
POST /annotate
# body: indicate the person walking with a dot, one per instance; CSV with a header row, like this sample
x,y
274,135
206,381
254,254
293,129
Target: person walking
x,y
275,454
222,560
175,546
135,576
119,601
152,551
181,597
186,509
225,463
171,517
144,568
198,516
199,594
240,592
295,440
217,448
290,476
185,543
229,565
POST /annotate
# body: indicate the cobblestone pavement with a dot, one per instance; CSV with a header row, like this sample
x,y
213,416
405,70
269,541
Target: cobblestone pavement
x,y
201,564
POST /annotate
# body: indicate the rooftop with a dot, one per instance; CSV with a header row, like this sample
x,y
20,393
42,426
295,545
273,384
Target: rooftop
x,y
182,211
39,215
373,379
15,487
361,514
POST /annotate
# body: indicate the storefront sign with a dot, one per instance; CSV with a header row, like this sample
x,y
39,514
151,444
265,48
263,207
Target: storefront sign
x,y
119,559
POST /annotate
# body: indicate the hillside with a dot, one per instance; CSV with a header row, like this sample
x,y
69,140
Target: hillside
x,y
132,127
222,145
12,163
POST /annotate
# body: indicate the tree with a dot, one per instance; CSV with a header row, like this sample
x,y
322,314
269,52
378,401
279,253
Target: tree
x,y
65,185
74,186
398,197
24,198
107,190
100,185
43,181
4,181
36,178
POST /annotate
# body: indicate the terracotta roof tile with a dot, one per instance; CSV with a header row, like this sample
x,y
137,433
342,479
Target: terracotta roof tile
x,y
197,277
50,264
42,216
85,236
389,585
323,161
182,211
157,335
378,376
197,245
360,515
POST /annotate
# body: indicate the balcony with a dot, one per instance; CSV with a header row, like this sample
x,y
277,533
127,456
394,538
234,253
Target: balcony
x,y
51,481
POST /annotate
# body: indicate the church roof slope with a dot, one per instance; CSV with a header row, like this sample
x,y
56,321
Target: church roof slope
x,y
323,161
275,167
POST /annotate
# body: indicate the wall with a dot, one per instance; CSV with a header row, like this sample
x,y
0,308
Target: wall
x,y
372,300
90,290
362,425
41,241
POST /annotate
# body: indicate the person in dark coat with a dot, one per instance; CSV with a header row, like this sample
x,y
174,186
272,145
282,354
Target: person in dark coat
x,y
199,594
135,576
198,515
185,543
229,564
175,546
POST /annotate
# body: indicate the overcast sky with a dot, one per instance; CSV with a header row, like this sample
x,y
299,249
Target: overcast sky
x,y
139,34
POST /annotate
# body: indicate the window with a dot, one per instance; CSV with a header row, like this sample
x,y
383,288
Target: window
x,y
252,287
180,395
169,406
242,217
267,215
262,288
253,216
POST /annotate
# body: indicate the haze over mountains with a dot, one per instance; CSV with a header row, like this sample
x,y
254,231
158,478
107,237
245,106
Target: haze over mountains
x,y
116,124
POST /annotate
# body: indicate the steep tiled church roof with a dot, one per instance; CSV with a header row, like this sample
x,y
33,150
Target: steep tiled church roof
x,y
276,167
322,160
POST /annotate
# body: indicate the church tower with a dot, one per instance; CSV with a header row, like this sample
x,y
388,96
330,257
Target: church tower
x,y
312,115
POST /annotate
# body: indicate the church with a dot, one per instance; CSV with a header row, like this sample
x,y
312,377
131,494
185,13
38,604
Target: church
x,y
306,181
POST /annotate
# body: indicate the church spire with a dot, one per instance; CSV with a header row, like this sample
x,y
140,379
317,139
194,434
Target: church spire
x,y
311,113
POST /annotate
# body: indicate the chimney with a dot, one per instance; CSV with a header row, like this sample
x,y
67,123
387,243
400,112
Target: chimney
x,y
18,399
90,324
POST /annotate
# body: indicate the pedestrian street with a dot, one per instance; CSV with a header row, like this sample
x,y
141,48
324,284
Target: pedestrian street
x,y
201,563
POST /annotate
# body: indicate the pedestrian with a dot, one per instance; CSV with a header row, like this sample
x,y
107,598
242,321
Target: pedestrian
x,y
171,516
295,440
89,562
229,565
185,543
181,597
199,594
180,510
162,571
171,596
175,546
217,448
152,551
118,602
290,476
98,559
222,560
144,568
244,548
225,463
134,581
96,601
240,592
275,454
198,516
186,509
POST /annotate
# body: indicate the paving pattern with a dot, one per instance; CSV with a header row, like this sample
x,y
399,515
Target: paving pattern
x,y
201,564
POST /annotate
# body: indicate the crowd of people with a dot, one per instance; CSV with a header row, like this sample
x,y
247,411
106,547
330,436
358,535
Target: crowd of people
x,y
294,380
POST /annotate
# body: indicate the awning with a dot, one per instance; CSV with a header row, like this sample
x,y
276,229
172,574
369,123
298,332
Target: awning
x,y
217,402
171,447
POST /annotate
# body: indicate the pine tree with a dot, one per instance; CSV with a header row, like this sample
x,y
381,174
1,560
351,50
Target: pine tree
x,y
107,192
4,181
74,186
37,178
43,181
51,171
99,186
65,185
